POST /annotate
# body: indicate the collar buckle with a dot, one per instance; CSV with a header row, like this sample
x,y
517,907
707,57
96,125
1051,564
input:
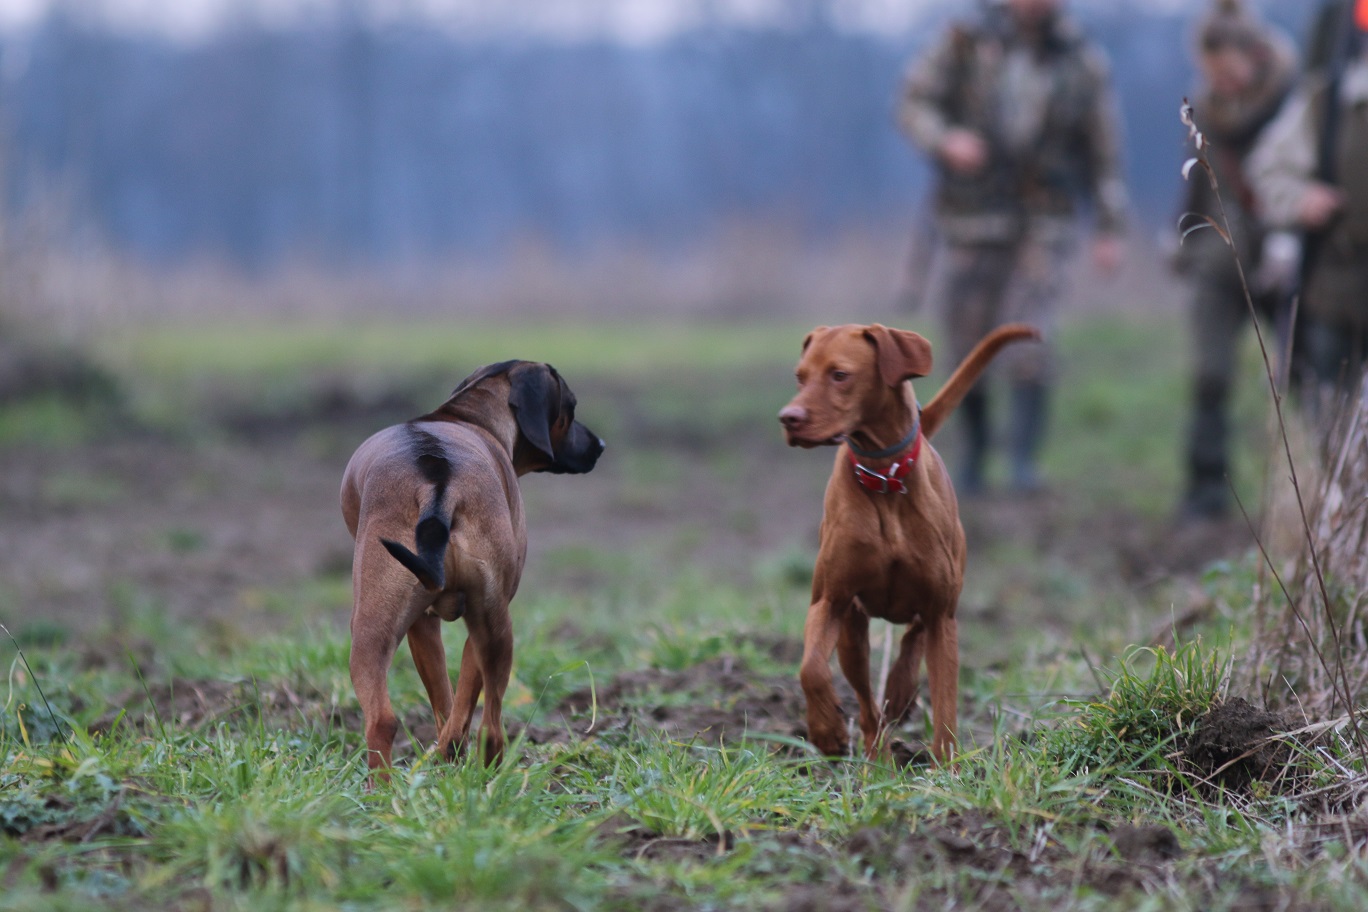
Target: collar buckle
x,y
883,484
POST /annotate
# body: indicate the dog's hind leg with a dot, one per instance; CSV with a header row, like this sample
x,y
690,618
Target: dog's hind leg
x,y
429,656
469,682
491,633
372,651
900,689
386,601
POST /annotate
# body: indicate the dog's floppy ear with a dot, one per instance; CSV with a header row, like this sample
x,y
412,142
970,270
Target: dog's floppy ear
x,y
484,373
902,354
535,395
811,335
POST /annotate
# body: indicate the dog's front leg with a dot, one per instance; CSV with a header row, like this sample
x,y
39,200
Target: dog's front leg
x,y
942,667
826,726
852,649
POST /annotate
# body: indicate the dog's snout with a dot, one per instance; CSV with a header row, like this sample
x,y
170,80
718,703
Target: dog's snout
x,y
793,417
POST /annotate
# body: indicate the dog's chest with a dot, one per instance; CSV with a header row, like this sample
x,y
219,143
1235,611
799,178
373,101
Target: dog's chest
x,y
900,565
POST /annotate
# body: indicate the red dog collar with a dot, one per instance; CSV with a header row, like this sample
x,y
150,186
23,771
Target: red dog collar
x,y
890,481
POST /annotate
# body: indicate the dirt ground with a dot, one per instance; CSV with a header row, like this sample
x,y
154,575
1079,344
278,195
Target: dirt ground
x,y
211,525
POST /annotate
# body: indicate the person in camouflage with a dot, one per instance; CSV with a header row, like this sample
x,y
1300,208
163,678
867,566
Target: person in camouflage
x,y
1016,111
1323,194
1247,69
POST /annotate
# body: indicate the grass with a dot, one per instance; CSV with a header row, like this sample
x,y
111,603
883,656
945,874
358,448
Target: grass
x,y
164,765
250,810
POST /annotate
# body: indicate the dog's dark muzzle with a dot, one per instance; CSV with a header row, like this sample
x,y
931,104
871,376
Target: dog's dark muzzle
x,y
579,451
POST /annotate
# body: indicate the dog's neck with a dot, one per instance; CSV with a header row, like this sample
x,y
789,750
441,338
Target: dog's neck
x,y
466,408
891,422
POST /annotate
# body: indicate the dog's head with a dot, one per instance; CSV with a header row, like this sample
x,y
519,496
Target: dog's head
x,y
549,437
845,374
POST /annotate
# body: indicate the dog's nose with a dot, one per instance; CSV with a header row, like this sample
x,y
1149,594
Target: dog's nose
x,y
793,417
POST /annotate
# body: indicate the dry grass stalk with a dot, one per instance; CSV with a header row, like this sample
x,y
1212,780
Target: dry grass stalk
x,y
1310,653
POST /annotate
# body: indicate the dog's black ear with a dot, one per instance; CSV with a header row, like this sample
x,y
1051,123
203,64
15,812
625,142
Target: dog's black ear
x,y
535,395
902,354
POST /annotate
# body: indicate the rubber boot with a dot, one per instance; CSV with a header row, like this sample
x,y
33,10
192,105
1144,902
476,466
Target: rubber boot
x,y
1026,433
973,411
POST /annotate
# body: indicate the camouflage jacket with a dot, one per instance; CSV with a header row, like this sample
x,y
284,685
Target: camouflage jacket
x,y
1046,112
1283,166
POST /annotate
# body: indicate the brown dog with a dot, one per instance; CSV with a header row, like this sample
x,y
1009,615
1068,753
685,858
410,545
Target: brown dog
x,y
891,542
448,483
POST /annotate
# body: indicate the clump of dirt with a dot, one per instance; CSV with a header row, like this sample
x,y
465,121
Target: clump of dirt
x,y
1236,745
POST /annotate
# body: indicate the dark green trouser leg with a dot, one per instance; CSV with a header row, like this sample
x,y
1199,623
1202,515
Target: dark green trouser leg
x,y
1208,490
973,411
1027,432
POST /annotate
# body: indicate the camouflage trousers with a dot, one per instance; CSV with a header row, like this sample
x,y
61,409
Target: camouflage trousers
x,y
984,285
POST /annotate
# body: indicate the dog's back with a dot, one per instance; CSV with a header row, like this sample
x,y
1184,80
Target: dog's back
x,y
413,487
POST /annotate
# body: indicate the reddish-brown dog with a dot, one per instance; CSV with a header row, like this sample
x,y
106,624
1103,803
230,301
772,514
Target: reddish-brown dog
x,y
891,542
448,484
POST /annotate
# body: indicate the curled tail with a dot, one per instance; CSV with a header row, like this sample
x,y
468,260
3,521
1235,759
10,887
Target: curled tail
x,y
935,412
433,531
429,564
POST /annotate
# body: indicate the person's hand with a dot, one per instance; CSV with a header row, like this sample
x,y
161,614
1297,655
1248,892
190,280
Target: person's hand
x,y
963,151
1108,254
1280,262
1319,204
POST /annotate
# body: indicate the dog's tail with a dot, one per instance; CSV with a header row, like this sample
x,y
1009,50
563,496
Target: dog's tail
x,y
433,532
429,564
935,412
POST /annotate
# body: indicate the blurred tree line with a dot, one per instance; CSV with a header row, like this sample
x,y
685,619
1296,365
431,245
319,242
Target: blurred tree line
x,y
346,142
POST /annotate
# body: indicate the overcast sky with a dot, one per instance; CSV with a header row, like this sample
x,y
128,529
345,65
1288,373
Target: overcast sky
x,y
631,20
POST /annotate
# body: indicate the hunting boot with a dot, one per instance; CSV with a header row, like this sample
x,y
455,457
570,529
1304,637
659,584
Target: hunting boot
x,y
1026,431
1208,487
973,412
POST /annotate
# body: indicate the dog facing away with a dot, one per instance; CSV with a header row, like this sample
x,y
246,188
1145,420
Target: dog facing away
x,y
437,515
891,543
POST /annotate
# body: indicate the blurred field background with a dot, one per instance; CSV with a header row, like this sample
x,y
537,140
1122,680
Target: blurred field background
x,y
238,239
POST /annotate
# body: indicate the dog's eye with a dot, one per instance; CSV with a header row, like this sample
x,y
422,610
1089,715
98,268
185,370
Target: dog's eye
x,y
840,376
